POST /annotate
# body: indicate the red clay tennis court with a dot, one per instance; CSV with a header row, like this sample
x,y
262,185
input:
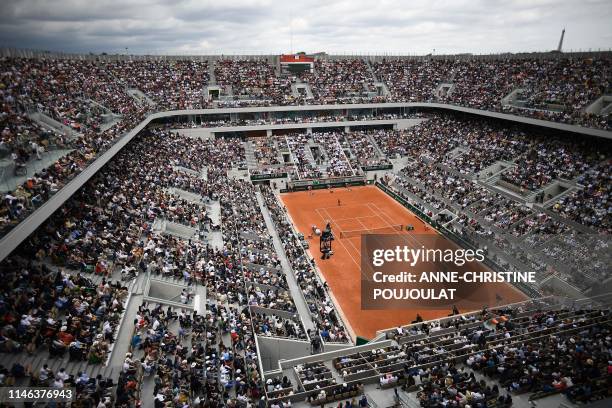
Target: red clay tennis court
x,y
366,210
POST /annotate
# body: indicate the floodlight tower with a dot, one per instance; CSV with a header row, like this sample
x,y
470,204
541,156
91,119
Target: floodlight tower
x,y
560,46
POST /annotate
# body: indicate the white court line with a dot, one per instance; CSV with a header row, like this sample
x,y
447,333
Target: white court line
x,y
341,206
408,236
407,233
352,218
358,250
340,241
355,248
331,220
362,224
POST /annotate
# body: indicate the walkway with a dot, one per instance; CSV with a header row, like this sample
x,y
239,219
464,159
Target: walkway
x,y
294,288
8,181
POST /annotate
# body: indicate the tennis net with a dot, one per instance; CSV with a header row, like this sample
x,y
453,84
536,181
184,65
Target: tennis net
x,y
382,230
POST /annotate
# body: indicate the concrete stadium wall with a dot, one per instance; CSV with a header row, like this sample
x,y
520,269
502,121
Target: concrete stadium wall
x,y
327,347
332,354
557,285
273,349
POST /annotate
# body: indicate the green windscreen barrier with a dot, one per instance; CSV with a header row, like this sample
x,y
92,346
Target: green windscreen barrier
x,y
361,341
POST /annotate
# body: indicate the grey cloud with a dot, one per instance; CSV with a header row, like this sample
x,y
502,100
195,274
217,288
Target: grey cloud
x,y
263,26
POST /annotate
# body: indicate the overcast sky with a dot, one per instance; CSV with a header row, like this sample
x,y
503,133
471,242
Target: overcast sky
x,y
265,26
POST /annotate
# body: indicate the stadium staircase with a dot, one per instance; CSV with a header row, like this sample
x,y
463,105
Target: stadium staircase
x,y
310,157
212,78
9,181
494,170
371,70
185,195
512,99
408,399
178,230
47,122
400,163
444,89
454,171
91,102
109,118
383,89
295,89
249,151
346,147
457,152
554,198
186,170
607,109
508,190
343,150
140,97
601,106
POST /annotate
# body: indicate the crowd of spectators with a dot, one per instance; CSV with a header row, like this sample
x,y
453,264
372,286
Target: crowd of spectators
x,y
546,161
470,148
364,153
253,80
89,391
87,95
74,93
449,386
484,358
299,148
169,84
549,88
591,204
411,80
102,229
48,302
336,162
441,183
341,80
582,83
491,219
567,360
65,313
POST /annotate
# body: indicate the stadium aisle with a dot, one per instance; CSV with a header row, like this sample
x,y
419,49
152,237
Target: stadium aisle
x,y
295,290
